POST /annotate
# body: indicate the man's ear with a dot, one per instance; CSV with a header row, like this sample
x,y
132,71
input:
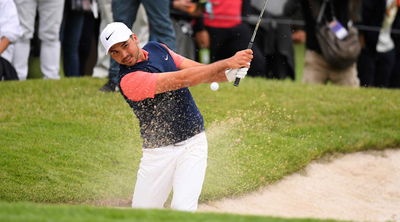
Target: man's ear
x,y
134,38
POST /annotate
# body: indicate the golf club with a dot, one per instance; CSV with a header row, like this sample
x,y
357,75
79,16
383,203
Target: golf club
x,y
237,80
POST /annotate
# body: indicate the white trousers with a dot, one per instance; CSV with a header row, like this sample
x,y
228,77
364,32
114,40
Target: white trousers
x,y
179,167
100,70
50,17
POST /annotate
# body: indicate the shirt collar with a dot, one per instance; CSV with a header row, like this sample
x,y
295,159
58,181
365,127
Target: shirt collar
x,y
146,56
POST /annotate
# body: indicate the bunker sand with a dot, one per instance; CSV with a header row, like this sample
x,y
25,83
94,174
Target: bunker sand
x,y
362,186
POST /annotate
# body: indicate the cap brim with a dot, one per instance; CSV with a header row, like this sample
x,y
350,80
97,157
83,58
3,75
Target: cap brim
x,y
116,41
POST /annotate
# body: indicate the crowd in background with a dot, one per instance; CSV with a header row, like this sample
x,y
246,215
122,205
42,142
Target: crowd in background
x,y
67,31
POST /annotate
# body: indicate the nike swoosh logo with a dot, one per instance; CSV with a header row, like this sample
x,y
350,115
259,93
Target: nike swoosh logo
x,y
166,57
109,36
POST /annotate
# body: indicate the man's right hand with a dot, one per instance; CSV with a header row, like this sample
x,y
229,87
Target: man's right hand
x,y
238,65
241,59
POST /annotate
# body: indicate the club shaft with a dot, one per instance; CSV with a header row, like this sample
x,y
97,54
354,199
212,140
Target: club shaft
x,y
253,37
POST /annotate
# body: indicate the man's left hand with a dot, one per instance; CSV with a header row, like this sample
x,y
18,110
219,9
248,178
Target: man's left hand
x,y
242,72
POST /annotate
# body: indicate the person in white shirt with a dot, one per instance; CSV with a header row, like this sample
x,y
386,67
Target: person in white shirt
x,y
10,29
50,18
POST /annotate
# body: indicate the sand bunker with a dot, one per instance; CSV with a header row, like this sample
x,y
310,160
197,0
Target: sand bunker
x,y
363,186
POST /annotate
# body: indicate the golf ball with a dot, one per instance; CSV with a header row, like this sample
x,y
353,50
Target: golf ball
x,y
214,86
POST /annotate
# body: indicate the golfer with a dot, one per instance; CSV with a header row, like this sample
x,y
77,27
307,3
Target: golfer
x,y
154,80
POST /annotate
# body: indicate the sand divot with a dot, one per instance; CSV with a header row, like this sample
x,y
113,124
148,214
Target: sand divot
x,y
362,186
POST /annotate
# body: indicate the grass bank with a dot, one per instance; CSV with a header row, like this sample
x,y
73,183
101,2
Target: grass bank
x,y
66,142
28,212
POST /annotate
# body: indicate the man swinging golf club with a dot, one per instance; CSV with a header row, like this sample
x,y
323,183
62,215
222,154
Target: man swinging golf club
x,y
154,80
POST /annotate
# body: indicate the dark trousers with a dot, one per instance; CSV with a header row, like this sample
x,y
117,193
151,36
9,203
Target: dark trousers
x,y
7,70
395,78
278,66
71,35
225,42
374,69
161,28
275,42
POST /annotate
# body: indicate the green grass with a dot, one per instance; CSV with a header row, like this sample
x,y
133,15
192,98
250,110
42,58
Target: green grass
x,y
66,142
28,212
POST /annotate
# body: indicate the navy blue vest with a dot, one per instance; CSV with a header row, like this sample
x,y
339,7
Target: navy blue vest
x,y
169,117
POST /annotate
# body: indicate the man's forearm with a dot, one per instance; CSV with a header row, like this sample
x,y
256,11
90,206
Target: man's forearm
x,y
191,76
199,73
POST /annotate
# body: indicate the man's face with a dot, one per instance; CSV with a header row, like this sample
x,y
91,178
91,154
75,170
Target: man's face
x,y
126,53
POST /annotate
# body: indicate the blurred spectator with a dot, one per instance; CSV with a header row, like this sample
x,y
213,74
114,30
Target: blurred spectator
x,y
72,28
103,60
395,76
89,40
158,14
228,34
294,11
191,35
316,68
161,28
377,59
102,67
183,13
50,18
141,26
274,38
202,38
10,31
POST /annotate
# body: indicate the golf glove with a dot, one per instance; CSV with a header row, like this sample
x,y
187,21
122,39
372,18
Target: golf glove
x,y
232,74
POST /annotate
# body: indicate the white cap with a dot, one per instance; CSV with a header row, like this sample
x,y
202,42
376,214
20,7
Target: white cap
x,y
113,33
